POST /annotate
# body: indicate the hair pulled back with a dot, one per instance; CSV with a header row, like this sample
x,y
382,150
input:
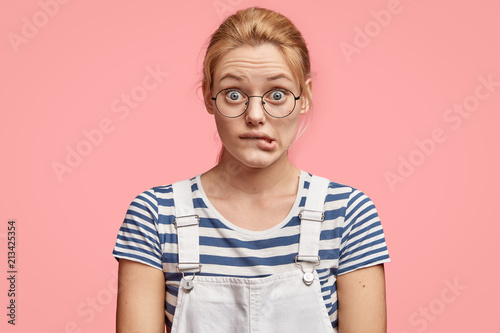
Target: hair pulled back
x,y
255,26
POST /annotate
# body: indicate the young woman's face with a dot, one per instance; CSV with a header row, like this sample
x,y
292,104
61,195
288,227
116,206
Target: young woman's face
x,y
256,139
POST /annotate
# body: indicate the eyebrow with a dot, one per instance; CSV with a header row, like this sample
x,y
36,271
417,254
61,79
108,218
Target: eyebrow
x,y
279,76
231,76
270,78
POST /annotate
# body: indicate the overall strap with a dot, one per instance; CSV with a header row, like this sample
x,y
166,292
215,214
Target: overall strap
x,y
186,223
311,217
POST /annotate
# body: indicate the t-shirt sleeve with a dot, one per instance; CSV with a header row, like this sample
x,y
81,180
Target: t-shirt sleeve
x,y
138,238
363,241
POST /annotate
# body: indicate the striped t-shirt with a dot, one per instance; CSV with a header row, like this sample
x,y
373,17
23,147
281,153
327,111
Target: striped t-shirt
x,y
351,238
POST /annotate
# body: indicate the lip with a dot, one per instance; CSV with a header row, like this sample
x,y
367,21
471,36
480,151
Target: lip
x,y
262,140
257,136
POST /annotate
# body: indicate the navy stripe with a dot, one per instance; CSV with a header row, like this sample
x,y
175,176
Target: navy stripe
x,y
133,248
356,210
141,237
362,263
169,308
147,218
358,247
199,203
366,228
294,221
328,254
162,189
334,213
329,234
366,263
168,238
166,202
337,197
212,223
166,219
322,271
248,261
253,245
237,276
149,198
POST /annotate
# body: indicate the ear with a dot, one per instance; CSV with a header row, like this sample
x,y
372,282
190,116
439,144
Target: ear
x,y
306,96
209,103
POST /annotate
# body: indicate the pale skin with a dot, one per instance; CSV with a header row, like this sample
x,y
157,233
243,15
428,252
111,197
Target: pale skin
x,y
262,184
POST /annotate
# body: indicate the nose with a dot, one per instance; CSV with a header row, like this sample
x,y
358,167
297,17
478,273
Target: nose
x,y
255,113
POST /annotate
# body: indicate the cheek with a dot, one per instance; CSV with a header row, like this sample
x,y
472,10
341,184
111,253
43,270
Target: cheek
x,y
289,129
223,127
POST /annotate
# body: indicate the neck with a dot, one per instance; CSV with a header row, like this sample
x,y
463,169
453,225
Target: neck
x,y
230,178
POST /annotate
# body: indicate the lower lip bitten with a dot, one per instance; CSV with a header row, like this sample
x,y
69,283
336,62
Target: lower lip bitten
x,y
265,144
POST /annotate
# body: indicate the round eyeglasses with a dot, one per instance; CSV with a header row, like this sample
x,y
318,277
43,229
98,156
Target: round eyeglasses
x,y
277,103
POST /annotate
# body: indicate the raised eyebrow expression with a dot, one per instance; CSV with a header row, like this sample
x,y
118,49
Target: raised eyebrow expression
x,y
268,79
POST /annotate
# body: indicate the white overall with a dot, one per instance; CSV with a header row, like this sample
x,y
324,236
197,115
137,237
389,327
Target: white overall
x,y
288,302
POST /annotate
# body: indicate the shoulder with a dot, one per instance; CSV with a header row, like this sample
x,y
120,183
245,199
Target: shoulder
x,y
161,195
339,191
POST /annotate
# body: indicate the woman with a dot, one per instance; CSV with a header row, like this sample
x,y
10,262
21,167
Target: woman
x,y
254,244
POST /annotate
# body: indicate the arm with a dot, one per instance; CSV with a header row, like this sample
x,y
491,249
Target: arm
x,y
141,297
361,297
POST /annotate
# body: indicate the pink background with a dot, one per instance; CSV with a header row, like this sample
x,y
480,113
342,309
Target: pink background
x,y
63,79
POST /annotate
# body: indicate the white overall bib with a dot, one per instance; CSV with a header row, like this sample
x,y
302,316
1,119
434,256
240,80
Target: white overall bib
x,y
289,302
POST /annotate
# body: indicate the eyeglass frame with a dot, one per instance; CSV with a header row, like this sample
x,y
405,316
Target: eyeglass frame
x,y
261,101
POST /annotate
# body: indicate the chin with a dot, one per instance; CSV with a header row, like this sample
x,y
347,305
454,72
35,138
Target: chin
x,y
260,161
258,164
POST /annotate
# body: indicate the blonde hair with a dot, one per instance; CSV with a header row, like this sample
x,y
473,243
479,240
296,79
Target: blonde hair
x,y
255,26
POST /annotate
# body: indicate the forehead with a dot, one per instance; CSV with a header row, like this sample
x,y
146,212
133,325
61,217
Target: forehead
x,y
249,62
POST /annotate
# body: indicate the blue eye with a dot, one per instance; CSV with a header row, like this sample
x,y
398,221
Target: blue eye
x,y
234,95
277,95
